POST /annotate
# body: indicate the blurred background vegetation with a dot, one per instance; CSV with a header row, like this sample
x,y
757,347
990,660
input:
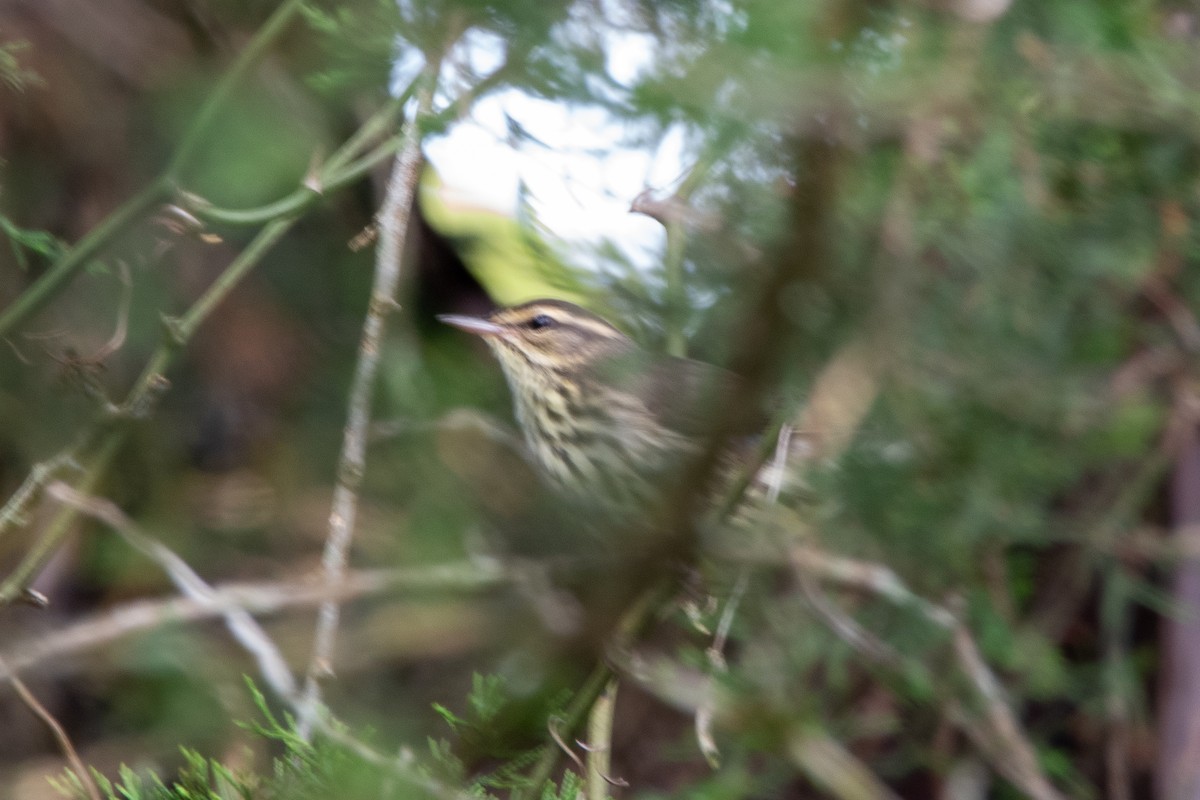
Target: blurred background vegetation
x,y
953,237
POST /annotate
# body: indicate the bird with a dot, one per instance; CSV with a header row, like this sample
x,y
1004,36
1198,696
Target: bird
x,y
606,422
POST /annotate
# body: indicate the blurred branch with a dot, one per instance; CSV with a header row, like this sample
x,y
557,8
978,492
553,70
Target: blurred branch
x,y
841,397
830,765
246,631
1103,529
774,474
107,434
237,72
818,755
998,733
116,341
55,278
344,167
1115,631
599,744
14,585
1001,737
1176,772
313,190
635,619
260,597
994,725
12,514
64,742
393,226
672,213
462,104
110,428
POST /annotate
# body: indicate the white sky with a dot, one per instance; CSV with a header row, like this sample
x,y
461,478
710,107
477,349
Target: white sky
x,y
581,183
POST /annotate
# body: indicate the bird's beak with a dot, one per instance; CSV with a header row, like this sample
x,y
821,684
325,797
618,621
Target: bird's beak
x,y
475,325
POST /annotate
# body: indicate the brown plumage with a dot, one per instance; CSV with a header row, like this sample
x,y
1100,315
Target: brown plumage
x,y
603,419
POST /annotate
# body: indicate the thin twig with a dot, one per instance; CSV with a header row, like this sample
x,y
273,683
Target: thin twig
x,y
1011,753
245,629
671,213
1115,634
393,226
631,624
845,626
56,277
834,768
552,729
344,166
998,733
51,282
13,512
774,473
107,428
106,434
64,741
15,584
261,597
599,745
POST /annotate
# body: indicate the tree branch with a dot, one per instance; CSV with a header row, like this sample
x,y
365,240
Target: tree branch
x,y
393,226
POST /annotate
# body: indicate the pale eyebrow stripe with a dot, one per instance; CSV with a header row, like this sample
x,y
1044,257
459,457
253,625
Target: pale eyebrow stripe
x,y
587,323
597,327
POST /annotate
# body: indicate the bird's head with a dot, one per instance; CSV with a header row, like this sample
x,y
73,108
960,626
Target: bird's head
x,y
544,335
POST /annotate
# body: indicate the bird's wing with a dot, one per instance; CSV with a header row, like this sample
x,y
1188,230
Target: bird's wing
x,y
688,396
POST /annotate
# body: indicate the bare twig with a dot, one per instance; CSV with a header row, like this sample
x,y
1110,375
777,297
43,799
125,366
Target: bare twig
x,y
13,512
393,226
99,444
1115,615
835,768
108,434
671,214
64,742
774,473
263,597
134,209
599,746
1001,737
845,626
118,338
998,733
15,584
627,630
874,578
552,728
246,631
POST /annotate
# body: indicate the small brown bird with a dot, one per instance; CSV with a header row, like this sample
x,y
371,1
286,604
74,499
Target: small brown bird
x,y
604,420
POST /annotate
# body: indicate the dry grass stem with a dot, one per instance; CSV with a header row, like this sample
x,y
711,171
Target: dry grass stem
x,y
64,742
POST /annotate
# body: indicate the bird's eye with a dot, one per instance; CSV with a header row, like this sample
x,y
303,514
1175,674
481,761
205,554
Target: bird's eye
x,y
541,321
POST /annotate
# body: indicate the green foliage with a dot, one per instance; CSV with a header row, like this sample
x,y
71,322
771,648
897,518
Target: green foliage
x,y
569,788
198,779
1010,223
23,242
325,768
12,73
302,770
488,733
356,41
